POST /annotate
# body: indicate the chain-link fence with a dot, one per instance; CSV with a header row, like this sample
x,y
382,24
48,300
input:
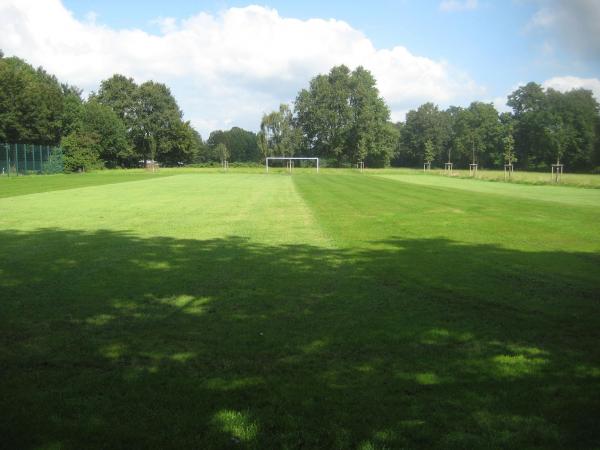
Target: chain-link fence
x,y
23,159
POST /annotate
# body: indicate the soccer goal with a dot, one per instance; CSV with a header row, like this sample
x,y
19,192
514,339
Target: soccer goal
x,y
289,161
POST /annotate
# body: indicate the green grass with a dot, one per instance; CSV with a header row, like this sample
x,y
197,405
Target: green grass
x,y
32,184
240,310
518,177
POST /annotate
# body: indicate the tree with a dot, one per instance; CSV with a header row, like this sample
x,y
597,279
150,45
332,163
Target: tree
x,y
477,134
31,103
242,144
528,104
81,150
557,134
101,121
570,125
342,116
551,125
371,136
278,135
119,93
509,149
324,114
427,123
429,152
185,145
72,109
155,121
223,152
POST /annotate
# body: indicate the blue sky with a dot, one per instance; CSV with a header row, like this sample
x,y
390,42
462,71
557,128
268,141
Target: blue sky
x,y
447,51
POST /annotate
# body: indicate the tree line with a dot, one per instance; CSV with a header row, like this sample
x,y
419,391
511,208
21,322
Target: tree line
x,y
340,116
123,124
544,127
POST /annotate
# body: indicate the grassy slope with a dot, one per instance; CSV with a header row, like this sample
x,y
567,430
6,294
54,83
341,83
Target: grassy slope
x,y
23,185
568,195
487,303
195,206
519,177
338,311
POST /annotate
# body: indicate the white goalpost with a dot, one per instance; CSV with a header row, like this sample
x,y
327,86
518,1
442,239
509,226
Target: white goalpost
x,y
289,161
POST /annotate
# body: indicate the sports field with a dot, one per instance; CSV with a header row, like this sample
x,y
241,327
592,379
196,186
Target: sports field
x,y
198,309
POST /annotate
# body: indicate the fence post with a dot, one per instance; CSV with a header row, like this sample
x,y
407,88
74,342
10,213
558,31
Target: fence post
x,y
7,160
17,159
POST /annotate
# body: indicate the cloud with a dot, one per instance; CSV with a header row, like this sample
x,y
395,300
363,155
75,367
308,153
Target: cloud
x,y
458,5
165,24
225,69
575,22
567,83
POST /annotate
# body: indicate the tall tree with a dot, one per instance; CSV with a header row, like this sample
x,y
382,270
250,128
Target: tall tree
x,y
242,144
81,151
371,136
528,103
427,123
341,115
430,152
278,135
571,125
31,103
72,109
223,152
477,134
508,142
551,125
324,113
103,122
156,118
119,93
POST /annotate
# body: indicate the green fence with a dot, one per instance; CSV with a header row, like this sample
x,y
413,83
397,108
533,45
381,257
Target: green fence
x,y
23,159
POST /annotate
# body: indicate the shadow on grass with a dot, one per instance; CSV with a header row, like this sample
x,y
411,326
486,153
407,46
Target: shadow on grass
x,y
109,340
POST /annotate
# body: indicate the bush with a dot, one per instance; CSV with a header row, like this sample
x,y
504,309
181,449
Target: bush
x,y
55,163
81,152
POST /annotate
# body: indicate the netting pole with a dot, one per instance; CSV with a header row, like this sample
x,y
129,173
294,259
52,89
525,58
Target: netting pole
x,y
7,160
25,157
33,157
17,159
40,153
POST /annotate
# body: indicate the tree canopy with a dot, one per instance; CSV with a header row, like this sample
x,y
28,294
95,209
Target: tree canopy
x,y
339,116
545,126
342,116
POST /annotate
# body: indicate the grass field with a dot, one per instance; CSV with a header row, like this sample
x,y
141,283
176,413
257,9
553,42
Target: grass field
x,y
198,309
518,177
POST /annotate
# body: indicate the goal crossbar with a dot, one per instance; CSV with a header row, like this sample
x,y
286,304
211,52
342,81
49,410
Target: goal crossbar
x,y
289,158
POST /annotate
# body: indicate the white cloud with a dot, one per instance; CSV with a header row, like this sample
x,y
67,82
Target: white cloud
x,y
500,104
567,83
165,24
458,5
224,69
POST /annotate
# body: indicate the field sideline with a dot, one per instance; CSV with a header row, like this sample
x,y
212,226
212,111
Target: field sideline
x,y
391,309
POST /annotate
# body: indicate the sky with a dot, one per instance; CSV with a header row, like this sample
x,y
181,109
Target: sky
x,y
229,62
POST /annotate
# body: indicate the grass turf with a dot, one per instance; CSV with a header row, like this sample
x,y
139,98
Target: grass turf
x,y
330,311
518,177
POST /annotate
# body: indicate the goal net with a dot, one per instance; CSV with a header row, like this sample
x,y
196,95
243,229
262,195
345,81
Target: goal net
x,y
290,161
